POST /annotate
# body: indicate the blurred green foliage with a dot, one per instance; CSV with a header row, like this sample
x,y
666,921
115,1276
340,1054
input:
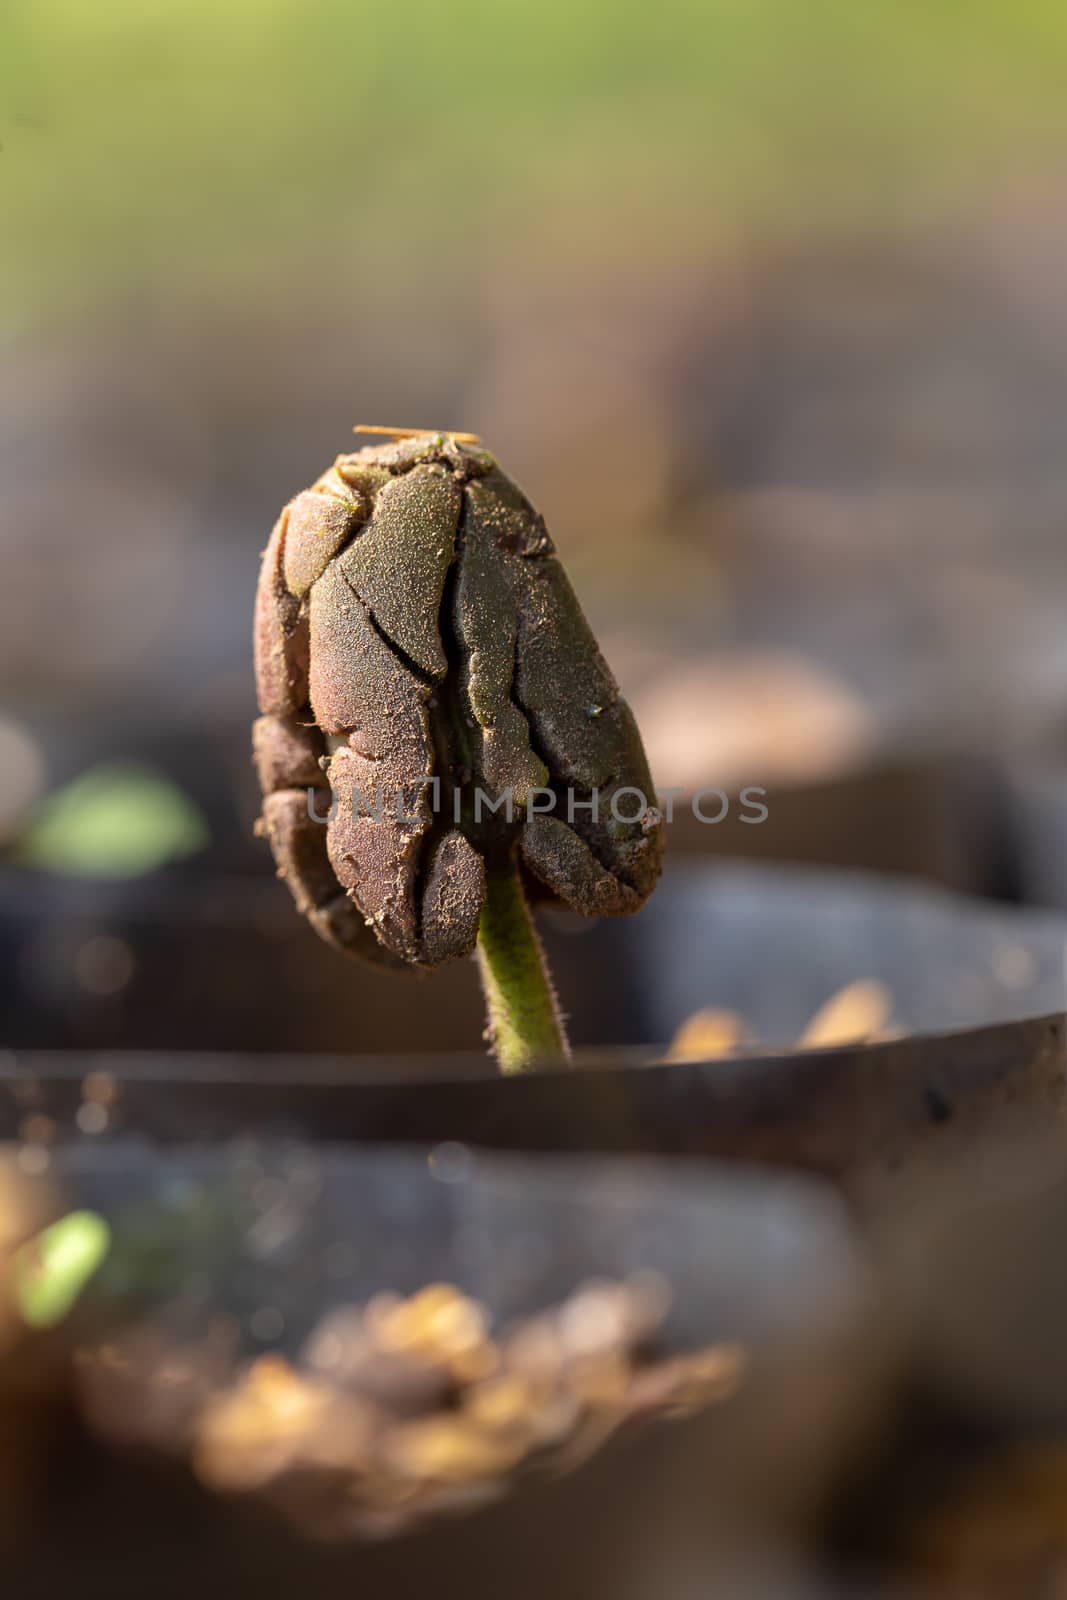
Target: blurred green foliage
x,y
117,820
183,142
51,1271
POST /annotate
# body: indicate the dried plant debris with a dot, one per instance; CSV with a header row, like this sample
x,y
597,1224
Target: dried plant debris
x,y
708,1034
855,1014
860,1013
425,670
402,1409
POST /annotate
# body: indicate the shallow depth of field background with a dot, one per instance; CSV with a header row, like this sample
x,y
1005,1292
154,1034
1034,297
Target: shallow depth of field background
x,y
761,301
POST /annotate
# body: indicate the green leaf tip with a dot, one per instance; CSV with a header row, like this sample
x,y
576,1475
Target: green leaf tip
x,y
52,1269
116,820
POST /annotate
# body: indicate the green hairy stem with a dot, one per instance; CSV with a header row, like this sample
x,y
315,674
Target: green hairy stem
x,y
525,1025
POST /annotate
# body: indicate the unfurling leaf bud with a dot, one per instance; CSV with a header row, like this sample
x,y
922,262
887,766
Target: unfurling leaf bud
x,y
428,682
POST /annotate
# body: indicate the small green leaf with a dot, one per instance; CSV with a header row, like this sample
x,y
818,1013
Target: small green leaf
x,y
115,821
52,1270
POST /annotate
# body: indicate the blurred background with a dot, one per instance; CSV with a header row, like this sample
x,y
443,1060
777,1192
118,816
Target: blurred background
x,y
761,302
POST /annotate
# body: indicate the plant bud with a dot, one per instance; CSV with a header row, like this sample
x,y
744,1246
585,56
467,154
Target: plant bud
x,y
428,683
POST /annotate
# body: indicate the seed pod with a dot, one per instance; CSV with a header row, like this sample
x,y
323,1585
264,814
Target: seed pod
x,y
427,681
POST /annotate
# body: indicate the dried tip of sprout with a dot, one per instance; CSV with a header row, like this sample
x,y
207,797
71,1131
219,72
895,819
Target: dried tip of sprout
x,y
417,433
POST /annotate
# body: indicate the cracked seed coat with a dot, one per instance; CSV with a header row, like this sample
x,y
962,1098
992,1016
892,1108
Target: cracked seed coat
x,y
413,624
